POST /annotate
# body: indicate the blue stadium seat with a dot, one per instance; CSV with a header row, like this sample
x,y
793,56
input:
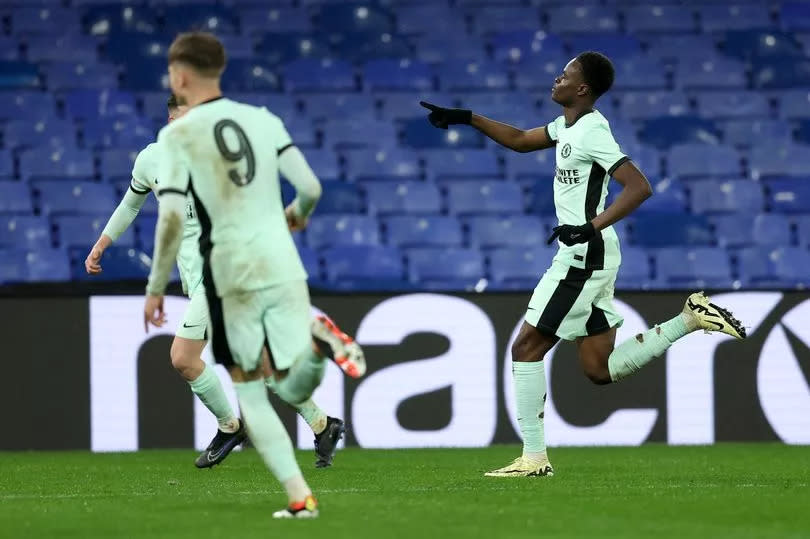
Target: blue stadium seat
x,y
337,230
773,160
117,163
461,163
70,75
789,196
727,197
272,18
457,76
25,232
533,165
423,231
237,46
362,47
340,197
770,73
445,268
756,268
540,197
761,44
410,18
301,130
74,197
494,103
794,104
526,46
644,105
393,74
122,132
49,132
658,18
712,72
312,264
790,264
365,17
405,105
83,231
324,163
660,230
89,104
52,163
514,231
720,17
695,159
15,74
364,266
803,229
250,76
638,73
145,226
539,73
115,19
119,264
803,132
795,15
45,264
382,164
48,48
330,106
740,104
438,48
577,19
679,48
634,273
209,18
519,268
9,49
12,266
697,267
124,48
315,74
747,133
359,133
491,19
24,105
734,230
669,196
616,46
772,229
147,74
482,197
42,20
665,132
6,164
15,197
276,48
418,133
407,197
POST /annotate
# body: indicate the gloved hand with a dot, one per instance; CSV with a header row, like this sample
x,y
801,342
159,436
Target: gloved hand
x,y
572,235
441,117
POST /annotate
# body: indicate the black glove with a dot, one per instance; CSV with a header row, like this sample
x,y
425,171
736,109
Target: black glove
x,y
441,117
571,235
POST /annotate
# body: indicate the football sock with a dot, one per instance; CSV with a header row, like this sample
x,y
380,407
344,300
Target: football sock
x,y
269,436
209,390
297,489
631,355
302,379
311,412
529,378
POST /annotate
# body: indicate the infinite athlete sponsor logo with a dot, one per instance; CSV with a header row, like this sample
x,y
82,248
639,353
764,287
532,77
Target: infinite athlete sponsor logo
x,y
568,176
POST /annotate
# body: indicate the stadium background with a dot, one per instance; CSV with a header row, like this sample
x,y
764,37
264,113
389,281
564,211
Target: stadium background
x,y
712,100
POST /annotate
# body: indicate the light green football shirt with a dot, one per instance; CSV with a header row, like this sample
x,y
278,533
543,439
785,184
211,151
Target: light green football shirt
x,y
144,179
225,154
587,155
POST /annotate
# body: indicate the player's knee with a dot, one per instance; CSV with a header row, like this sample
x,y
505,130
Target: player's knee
x,y
598,374
182,361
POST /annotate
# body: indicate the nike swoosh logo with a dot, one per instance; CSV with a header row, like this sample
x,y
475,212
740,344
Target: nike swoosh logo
x,y
194,326
214,456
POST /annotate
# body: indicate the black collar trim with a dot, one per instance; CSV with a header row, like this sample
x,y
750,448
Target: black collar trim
x,y
581,114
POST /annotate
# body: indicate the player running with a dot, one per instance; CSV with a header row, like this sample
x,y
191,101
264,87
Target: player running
x,y
192,333
574,299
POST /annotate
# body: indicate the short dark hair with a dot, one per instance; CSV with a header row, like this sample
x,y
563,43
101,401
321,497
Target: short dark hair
x,y
172,103
598,72
200,50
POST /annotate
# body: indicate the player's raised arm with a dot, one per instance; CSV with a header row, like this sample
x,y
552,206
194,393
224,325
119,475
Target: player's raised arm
x,y
519,140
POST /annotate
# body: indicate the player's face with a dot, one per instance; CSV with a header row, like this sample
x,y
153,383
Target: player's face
x,y
568,85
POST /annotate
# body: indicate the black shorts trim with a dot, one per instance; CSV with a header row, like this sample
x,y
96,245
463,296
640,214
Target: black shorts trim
x,y
138,191
617,164
562,299
597,323
285,148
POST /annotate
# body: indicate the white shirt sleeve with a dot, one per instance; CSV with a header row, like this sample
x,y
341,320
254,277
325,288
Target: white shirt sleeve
x,y
551,130
603,149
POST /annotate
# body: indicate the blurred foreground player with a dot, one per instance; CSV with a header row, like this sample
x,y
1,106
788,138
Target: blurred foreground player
x,y
574,299
192,333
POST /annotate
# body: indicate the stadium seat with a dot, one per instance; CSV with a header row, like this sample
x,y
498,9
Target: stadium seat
x,y
719,17
52,163
359,133
24,232
795,15
498,103
418,133
445,268
9,49
696,159
761,44
145,227
539,73
665,132
423,231
473,197
324,163
673,49
364,266
6,165
62,196
803,132
124,48
772,229
209,18
789,196
513,231
437,48
15,74
382,164
519,268
315,74
578,19
363,47
42,20
756,268
742,196
25,104
746,133
83,231
803,230
405,105
658,18
634,273
533,166
743,104
117,163
361,17
337,230
461,163
69,75
90,104
12,266
403,198
119,263
123,132
526,46
773,160
790,265
329,106
61,48
51,132
275,48
410,19
697,267
491,19
540,197
340,197
116,19
616,46
393,74
311,262
660,230
274,18
639,73
770,73
669,196
15,197
644,105
460,76
250,76
713,72
733,231
147,74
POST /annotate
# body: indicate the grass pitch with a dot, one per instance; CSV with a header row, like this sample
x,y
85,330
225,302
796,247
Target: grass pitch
x,y
734,491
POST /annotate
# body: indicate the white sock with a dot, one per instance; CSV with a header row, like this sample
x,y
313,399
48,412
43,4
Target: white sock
x,y
529,378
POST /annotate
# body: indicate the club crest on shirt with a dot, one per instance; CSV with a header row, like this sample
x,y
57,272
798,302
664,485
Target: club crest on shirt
x,y
566,150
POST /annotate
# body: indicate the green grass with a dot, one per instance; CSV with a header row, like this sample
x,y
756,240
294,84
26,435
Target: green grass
x,y
734,491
